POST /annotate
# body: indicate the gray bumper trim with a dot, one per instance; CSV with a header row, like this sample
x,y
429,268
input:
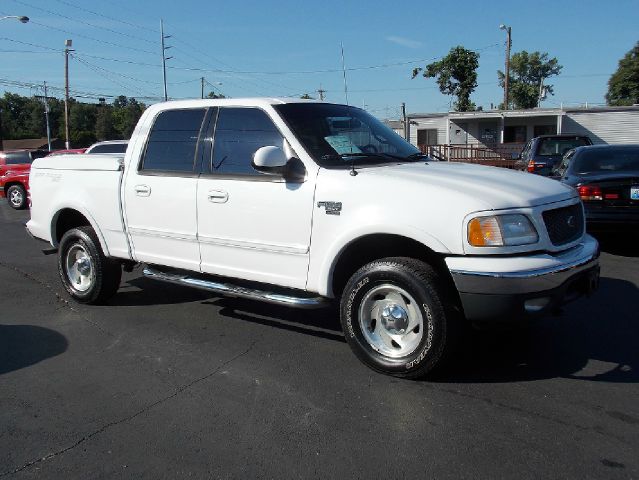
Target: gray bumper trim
x,y
525,281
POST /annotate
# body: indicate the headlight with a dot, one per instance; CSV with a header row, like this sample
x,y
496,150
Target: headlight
x,y
501,230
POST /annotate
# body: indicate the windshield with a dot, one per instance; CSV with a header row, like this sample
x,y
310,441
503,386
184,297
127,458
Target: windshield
x,y
550,147
109,148
339,135
608,160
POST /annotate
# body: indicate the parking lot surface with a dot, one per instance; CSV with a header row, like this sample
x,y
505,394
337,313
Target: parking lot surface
x,y
168,382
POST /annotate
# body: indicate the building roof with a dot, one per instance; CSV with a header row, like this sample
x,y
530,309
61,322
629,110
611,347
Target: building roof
x,y
534,112
27,143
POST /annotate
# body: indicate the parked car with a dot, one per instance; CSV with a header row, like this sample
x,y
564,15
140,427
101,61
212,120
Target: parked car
x,y
298,203
14,168
541,154
14,173
109,146
15,187
607,179
19,159
67,152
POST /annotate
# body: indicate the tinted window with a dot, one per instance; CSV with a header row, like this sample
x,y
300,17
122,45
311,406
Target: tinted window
x,y
607,160
559,146
109,148
239,132
173,141
16,158
332,134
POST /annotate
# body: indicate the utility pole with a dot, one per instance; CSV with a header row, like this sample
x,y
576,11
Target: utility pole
x,y
405,122
46,114
164,57
321,93
202,80
67,49
344,73
507,76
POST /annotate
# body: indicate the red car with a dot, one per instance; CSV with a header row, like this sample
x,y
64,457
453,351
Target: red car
x,y
14,173
15,186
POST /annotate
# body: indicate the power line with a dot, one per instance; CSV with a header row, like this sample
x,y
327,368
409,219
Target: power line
x,y
135,25
50,12
93,39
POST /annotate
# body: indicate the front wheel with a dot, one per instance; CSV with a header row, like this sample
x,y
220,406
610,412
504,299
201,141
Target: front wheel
x,y
17,197
395,317
86,273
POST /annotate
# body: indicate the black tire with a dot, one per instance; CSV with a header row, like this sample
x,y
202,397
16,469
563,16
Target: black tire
x,y
17,197
86,273
425,297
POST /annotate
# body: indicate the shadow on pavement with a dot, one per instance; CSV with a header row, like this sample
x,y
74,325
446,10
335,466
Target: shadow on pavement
x,y
321,322
25,345
596,339
625,244
152,292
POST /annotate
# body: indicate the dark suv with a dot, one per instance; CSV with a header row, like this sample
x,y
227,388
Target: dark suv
x,y
543,153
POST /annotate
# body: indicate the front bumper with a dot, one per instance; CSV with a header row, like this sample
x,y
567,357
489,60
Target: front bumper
x,y
509,288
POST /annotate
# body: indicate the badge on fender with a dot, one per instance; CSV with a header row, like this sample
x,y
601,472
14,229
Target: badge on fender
x,y
332,208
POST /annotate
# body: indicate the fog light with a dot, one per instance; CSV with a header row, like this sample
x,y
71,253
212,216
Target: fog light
x,y
536,304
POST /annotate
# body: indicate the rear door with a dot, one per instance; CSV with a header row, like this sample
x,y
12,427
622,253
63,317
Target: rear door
x,y
160,194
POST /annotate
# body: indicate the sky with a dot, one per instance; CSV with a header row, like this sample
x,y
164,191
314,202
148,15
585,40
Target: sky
x,y
287,48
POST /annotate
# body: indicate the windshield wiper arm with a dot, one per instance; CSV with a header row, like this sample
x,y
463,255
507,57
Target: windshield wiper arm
x,y
416,156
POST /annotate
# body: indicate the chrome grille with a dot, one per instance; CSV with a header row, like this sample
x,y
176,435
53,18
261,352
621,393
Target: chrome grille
x,y
564,224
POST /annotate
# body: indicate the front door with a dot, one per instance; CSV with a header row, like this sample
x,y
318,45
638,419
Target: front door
x,y
251,225
160,195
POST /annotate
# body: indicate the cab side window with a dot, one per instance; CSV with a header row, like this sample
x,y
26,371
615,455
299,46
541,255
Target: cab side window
x,y
173,141
239,132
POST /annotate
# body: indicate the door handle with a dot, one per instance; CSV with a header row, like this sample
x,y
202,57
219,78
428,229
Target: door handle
x,y
218,196
142,190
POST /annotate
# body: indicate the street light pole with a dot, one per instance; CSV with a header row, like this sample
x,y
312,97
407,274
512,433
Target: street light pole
x,y
507,75
46,114
67,49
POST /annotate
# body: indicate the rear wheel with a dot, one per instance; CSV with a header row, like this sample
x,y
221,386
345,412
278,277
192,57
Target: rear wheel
x,y
86,273
17,197
397,317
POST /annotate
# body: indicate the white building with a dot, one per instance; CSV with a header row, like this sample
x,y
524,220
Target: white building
x,y
513,128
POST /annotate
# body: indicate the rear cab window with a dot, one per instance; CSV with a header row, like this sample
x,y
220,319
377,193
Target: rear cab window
x,y
550,147
17,158
172,142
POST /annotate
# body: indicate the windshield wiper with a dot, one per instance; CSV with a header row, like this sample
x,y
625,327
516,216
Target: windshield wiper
x,y
416,156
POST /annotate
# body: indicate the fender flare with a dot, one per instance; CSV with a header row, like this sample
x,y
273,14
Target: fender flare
x,y
85,214
332,255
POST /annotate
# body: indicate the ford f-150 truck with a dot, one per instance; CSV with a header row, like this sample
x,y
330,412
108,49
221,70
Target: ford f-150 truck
x,y
299,202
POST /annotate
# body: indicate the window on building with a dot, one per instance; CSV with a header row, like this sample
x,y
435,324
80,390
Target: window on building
x,y
173,141
515,134
239,132
544,130
427,136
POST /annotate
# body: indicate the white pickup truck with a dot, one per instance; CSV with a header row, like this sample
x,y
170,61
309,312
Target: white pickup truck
x,y
297,203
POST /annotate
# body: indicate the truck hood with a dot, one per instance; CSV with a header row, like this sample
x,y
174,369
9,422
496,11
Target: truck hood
x,y
497,188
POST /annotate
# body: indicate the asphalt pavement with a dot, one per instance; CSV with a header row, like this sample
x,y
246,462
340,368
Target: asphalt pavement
x,y
168,382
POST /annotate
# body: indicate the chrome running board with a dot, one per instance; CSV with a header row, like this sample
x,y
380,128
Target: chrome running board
x,y
235,290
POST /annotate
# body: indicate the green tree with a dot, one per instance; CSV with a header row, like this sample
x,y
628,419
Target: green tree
x,y
306,96
456,75
126,113
623,86
215,95
528,71
104,129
